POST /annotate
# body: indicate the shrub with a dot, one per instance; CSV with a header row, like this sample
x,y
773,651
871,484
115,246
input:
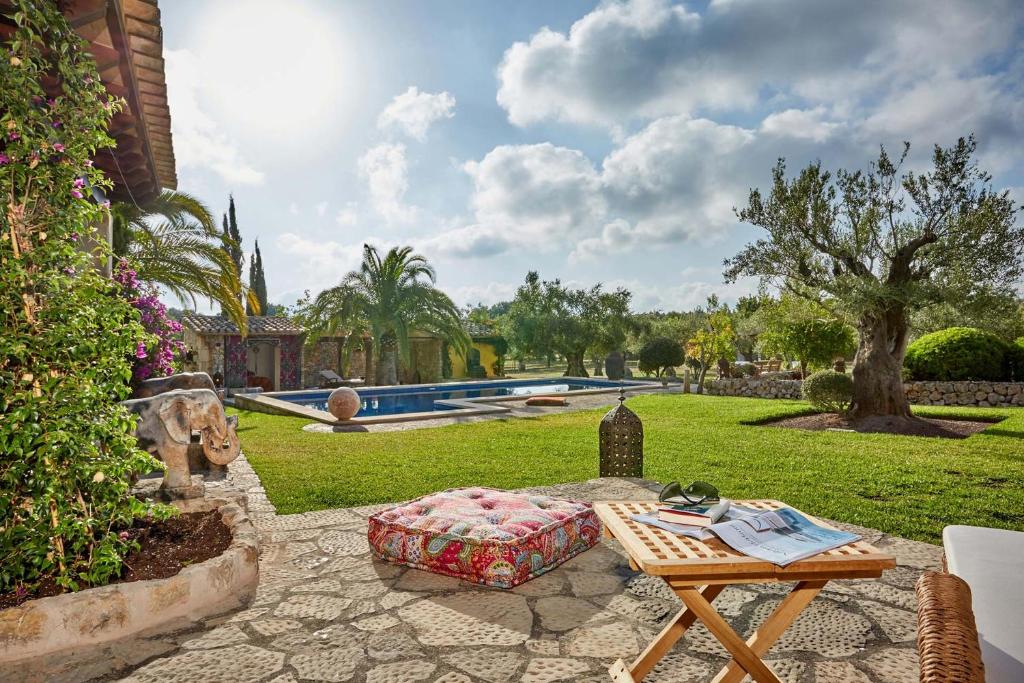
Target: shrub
x,y
1015,360
741,370
957,353
659,354
828,391
68,447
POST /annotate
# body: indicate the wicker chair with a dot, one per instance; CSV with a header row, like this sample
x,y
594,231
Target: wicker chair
x,y
947,637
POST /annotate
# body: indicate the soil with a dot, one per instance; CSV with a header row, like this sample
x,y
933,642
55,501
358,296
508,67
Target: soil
x,y
914,426
165,548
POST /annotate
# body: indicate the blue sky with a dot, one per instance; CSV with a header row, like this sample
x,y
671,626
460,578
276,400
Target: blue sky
x,y
595,142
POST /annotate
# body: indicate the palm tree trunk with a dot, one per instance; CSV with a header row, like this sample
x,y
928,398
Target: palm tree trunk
x,y
387,367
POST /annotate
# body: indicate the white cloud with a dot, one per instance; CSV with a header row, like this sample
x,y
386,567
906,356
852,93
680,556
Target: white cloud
x,y
810,124
321,209
386,172
413,112
348,215
643,59
541,193
199,143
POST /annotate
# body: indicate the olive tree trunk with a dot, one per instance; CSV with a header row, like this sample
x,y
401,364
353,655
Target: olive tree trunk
x,y
878,365
576,366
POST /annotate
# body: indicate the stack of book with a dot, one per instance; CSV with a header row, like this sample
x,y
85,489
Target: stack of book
x,y
702,515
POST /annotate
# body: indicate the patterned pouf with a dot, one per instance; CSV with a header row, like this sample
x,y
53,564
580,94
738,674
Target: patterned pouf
x,y
487,536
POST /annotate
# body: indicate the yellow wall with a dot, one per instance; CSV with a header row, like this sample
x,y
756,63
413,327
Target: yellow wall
x,y
488,357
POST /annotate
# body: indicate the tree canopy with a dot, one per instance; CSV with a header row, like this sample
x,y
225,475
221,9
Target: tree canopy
x,y
882,243
801,330
389,298
546,316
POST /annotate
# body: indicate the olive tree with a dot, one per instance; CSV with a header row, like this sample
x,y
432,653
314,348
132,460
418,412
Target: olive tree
x,y
883,243
545,315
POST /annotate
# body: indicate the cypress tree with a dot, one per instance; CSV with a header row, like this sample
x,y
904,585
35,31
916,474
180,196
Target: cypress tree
x,y
258,279
233,241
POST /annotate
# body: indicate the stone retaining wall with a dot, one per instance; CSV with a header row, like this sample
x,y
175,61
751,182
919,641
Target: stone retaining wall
x,y
981,394
79,621
752,387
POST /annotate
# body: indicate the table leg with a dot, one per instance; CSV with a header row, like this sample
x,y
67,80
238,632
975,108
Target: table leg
x,y
773,627
660,646
725,634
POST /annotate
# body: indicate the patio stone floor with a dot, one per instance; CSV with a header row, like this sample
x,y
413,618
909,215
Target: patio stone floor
x,y
326,611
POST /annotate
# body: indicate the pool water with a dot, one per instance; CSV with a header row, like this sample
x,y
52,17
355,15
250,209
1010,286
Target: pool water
x,y
421,398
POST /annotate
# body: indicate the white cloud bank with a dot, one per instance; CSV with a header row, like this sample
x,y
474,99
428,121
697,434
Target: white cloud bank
x,y
414,112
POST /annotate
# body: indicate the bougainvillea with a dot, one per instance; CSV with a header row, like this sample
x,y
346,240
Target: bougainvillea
x,y
156,356
67,447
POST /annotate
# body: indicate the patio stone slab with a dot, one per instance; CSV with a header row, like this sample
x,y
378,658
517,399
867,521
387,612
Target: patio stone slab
x,y
326,610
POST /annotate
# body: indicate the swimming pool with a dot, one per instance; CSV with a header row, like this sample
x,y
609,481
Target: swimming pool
x,y
425,398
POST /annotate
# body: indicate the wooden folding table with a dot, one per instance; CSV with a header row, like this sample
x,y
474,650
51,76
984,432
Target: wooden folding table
x,y
697,571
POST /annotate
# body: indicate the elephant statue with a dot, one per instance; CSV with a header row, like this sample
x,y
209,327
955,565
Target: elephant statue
x,y
183,380
165,426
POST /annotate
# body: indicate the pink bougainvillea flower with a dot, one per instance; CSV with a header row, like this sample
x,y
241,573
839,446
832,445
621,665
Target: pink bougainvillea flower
x,y
58,147
4,159
140,351
77,194
79,182
88,163
13,135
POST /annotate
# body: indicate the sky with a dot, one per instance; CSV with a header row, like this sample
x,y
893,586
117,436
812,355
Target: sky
x,y
593,142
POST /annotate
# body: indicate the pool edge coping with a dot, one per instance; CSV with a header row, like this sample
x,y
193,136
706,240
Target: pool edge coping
x,y
468,406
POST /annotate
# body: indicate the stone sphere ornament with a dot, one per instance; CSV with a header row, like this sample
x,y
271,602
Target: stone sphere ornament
x,y
343,403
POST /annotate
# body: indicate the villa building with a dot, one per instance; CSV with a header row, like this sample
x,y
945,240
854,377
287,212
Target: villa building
x,y
270,357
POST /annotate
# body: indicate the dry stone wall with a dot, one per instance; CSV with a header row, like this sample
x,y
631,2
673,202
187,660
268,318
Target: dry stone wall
x,y
983,394
968,393
752,387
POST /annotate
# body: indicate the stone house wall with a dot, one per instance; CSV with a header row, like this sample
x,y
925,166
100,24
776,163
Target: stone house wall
x,y
980,394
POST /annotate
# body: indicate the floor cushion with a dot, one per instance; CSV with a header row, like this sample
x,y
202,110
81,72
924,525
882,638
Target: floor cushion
x,y
488,536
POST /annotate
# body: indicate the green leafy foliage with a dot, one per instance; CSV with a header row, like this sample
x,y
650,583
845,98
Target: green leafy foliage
x,y
713,341
882,243
958,353
67,449
546,317
828,391
659,354
388,298
799,330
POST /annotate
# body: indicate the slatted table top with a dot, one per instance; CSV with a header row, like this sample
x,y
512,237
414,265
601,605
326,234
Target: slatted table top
x,y
687,560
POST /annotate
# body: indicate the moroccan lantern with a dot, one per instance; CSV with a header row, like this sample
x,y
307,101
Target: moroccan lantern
x,y
622,442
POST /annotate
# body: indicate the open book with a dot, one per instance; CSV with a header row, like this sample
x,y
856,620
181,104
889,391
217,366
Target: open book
x,y
780,536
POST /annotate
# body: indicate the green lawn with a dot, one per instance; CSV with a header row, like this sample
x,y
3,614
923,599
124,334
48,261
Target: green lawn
x,y
910,486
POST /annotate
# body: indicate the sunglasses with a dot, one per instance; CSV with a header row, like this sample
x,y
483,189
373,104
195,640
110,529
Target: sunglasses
x,y
696,493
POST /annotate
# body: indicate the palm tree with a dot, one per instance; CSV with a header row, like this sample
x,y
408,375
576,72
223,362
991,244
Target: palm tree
x,y
175,243
388,299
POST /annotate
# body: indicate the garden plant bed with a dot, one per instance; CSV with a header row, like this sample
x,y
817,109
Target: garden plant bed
x,y
165,548
916,426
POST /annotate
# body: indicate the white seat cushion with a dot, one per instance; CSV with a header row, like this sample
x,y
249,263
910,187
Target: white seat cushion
x,y
991,561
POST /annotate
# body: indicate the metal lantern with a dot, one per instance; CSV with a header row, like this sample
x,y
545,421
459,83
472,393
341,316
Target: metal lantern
x,y
622,442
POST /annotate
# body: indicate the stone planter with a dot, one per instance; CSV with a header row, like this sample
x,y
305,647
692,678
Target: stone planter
x,y
94,616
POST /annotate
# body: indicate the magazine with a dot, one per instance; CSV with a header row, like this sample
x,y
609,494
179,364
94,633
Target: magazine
x,y
780,536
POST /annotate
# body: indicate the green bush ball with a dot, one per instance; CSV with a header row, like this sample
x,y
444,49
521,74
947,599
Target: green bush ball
x,y
828,391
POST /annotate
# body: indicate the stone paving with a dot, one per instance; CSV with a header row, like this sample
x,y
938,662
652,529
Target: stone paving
x,y
326,611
